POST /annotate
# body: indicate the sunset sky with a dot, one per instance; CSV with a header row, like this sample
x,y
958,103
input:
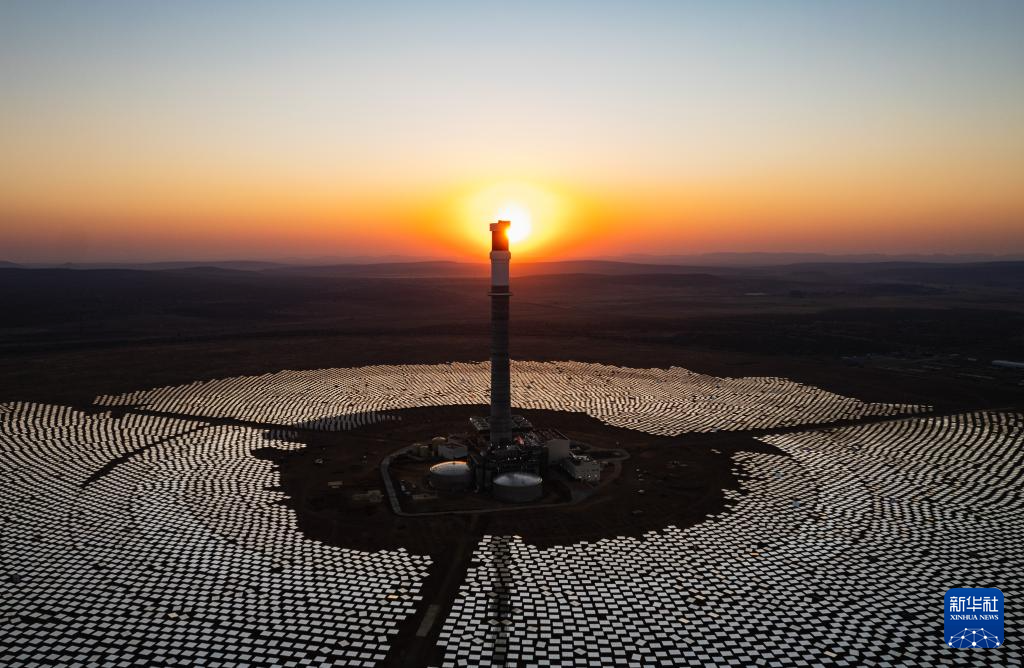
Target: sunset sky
x,y
263,130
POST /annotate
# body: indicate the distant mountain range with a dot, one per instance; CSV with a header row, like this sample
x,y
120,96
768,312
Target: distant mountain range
x,y
628,263
241,265
772,259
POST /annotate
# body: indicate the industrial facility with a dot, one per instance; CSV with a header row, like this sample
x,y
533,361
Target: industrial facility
x,y
503,457
508,457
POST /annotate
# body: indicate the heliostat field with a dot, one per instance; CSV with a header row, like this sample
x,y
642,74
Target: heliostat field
x,y
152,534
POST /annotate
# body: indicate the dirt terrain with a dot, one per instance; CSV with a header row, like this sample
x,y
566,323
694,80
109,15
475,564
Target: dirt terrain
x,y
931,330
681,485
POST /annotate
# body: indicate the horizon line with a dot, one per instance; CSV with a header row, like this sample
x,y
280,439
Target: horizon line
x,y
783,257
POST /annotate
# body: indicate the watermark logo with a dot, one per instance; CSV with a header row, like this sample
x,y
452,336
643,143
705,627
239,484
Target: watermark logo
x,y
974,618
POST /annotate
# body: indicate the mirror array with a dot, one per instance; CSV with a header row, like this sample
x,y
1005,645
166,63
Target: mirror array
x,y
180,552
146,539
838,552
665,402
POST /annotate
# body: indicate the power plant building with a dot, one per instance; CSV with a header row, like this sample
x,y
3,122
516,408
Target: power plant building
x,y
582,467
558,449
452,449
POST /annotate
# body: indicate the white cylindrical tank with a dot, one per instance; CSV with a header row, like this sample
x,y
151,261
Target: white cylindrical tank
x,y
450,476
518,487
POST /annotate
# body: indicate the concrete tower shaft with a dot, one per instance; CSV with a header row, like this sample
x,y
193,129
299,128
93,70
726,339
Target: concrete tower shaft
x,y
501,384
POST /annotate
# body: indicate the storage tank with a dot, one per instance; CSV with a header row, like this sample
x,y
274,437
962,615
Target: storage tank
x,y
518,487
450,476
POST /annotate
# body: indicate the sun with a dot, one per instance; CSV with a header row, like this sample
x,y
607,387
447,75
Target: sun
x,y
519,216
539,215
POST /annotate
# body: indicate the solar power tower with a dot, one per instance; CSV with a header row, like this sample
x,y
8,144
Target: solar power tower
x,y
506,442
501,390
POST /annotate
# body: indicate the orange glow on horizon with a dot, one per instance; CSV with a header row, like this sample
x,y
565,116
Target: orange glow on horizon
x,y
543,218
837,212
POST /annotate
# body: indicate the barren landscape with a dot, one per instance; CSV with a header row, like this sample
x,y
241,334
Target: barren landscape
x,y
923,332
